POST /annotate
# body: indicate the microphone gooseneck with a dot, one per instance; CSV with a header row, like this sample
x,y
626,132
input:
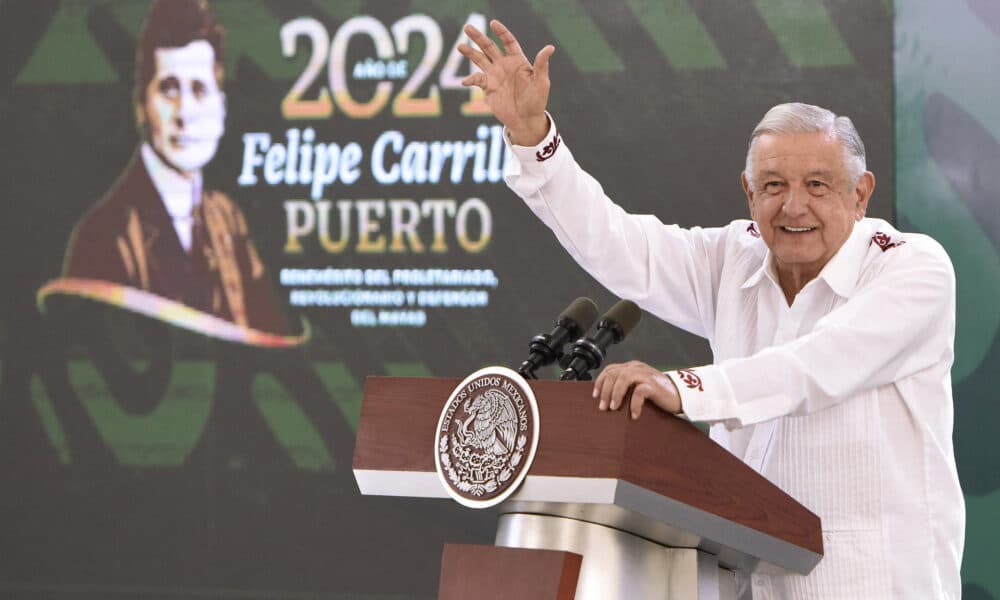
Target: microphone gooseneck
x,y
547,348
588,353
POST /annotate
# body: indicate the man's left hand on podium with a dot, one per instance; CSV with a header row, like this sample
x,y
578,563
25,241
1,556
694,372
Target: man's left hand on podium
x,y
634,383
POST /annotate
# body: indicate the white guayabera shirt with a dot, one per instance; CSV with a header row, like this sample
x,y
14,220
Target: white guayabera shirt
x,y
842,399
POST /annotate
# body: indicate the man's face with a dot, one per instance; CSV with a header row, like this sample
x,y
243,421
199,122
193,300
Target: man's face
x,y
184,108
804,202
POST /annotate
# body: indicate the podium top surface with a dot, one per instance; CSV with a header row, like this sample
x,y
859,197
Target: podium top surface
x,y
658,476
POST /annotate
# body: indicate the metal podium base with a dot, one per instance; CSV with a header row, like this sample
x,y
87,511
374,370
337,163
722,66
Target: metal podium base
x,y
617,564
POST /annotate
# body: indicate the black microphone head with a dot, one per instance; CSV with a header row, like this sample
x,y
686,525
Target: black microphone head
x,y
583,312
626,314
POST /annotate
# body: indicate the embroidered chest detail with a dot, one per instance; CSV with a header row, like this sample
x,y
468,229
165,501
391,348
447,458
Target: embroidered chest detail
x,y
883,241
690,379
549,150
752,230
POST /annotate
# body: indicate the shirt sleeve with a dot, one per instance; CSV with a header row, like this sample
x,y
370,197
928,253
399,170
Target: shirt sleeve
x,y
669,271
898,324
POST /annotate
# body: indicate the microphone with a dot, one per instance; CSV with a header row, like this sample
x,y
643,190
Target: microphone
x,y
588,353
546,348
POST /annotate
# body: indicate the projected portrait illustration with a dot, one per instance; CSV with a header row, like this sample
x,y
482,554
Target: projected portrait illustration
x,y
162,242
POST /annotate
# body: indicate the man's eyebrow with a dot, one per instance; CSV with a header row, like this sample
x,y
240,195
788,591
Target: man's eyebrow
x,y
769,173
821,173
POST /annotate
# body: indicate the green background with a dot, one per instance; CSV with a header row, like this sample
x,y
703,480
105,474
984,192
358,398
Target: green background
x,y
948,185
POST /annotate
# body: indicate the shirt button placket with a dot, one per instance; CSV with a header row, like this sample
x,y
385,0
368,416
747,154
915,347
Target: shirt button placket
x,y
761,588
788,328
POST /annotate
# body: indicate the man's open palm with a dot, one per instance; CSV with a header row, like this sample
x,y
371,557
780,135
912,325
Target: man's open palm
x,y
516,91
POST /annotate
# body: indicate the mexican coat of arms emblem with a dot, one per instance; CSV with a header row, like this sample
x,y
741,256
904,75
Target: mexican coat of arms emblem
x,y
486,437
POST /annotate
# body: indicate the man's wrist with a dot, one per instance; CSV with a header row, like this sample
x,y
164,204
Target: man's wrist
x,y
531,132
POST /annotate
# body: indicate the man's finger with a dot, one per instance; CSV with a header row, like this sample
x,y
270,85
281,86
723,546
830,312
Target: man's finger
x,y
478,58
609,375
510,44
541,65
621,388
598,383
637,401
484,42
604,383
648,392
477,79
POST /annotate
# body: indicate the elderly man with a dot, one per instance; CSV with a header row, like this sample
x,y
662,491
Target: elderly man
x,y
158,228
832,333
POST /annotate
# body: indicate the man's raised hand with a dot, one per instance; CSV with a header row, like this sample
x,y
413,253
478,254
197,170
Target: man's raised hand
x,y
516,90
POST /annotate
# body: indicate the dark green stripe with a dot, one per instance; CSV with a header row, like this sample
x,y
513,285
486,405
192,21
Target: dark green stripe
x,y
68,53
50,421
130,15
340,10
343,389
577,36
407,370
253,32
805,32
678,33
457,10
164,436
290,426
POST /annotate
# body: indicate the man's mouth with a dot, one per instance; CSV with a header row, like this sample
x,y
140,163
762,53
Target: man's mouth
x,y
788,229
184,140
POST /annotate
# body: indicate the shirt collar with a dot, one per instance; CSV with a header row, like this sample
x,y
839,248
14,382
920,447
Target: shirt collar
x,y
840,273
764,271
180,195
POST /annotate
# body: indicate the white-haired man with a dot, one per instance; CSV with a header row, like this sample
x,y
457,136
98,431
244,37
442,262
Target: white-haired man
x,y
832,333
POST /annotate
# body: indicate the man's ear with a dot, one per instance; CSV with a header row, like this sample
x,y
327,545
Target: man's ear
x,y
140,116
745,182
863,192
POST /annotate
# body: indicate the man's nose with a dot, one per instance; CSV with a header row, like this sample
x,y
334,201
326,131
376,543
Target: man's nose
x,y
186,103
796,202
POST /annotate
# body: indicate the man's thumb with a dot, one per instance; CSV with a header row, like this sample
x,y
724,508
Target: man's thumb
x,y
542,60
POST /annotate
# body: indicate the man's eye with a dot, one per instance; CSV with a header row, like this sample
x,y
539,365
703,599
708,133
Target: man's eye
x,y
199,89
818,187
772,186
169,87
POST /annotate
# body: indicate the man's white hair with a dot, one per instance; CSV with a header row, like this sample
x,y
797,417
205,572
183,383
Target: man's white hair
x,y
796,117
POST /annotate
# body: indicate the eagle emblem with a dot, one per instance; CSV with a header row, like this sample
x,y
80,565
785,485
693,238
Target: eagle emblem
x,y
493,423
486,437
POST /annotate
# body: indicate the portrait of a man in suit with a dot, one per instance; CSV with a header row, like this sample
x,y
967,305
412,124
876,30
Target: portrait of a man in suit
x,y
161,228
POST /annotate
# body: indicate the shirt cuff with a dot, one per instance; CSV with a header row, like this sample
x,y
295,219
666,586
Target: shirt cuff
x,y
706,395
534,165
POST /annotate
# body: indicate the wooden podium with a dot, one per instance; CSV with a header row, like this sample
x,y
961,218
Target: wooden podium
x,y
654,507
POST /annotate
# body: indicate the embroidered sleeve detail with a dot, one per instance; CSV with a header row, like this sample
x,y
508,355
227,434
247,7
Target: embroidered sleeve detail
x,y
549,150
752,230
883,241
690,379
